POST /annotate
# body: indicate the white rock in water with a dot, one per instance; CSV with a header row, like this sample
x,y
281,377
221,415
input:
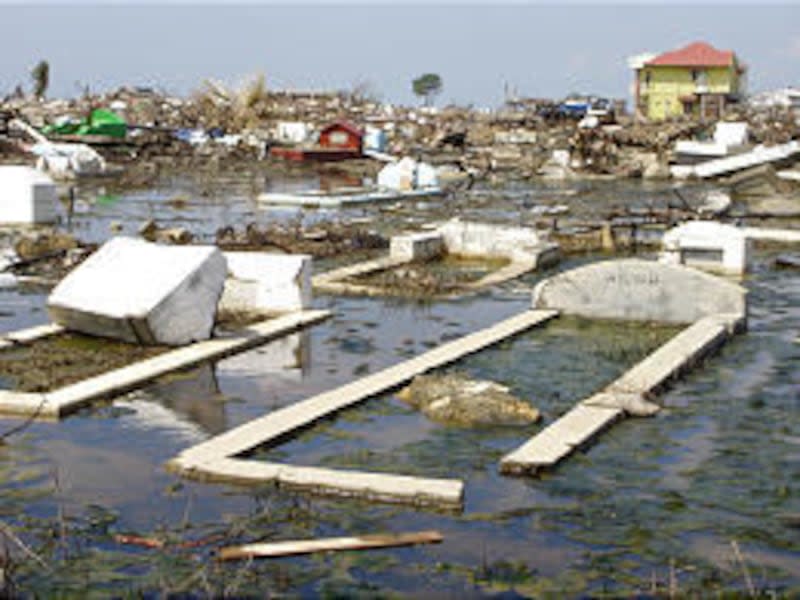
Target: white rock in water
x,y
145,293
26,196
456,400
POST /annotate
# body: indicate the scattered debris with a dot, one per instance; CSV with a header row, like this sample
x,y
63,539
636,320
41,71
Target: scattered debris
x,y
321,240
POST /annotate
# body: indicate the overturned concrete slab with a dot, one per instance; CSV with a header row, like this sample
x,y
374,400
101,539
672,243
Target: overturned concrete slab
x,y
216,458
259,282
639,290
758,156
144,293
708,245
27,196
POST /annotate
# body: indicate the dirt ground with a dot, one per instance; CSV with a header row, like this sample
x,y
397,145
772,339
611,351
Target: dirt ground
x,y
54,362
431,278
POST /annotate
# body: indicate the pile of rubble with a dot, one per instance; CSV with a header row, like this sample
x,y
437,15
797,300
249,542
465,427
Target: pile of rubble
x,y
242,123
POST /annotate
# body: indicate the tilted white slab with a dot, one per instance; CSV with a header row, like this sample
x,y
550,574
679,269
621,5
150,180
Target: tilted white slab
x,y
140,292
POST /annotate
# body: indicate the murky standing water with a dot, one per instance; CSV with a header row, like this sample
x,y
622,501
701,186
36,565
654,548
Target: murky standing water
x,y
654,503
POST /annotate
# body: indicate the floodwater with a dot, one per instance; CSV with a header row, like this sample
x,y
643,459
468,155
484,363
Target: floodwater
x,y
656,505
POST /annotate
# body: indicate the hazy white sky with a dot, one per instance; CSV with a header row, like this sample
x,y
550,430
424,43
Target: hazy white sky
x,y
539,49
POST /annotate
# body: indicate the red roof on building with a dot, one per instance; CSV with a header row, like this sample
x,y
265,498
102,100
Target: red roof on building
x,y
346,125
698,54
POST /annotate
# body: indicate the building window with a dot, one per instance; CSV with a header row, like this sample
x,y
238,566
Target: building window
x,y
338,138
699,77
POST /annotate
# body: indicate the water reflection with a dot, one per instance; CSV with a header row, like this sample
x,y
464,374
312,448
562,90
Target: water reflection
x,y
193,404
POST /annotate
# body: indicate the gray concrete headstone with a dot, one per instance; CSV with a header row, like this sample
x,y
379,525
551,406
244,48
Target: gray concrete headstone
x,y
640,290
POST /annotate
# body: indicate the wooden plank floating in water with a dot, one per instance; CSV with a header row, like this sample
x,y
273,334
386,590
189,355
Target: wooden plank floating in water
x,y
58,403
212,459
590,417
295,547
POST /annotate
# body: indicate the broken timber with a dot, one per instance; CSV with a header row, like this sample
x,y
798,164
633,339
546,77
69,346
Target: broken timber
x,y
58,403
215,459
295,547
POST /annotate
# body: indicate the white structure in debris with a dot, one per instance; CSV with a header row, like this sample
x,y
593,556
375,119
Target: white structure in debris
x,y
408,174
707,245
294,132
67,161
494,241
26,196
760,155
259,282
140,292
729,137
474,239
417,246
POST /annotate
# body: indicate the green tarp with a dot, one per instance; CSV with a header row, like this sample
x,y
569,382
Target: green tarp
x,y
99,122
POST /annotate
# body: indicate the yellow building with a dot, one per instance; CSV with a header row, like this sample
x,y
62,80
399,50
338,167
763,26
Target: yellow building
x,y
697,80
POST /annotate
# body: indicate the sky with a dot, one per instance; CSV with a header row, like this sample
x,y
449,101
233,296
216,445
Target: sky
x,y
539,50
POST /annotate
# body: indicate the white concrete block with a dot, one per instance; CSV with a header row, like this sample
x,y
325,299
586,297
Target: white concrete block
x,y
731,134
499,241
407,174
140,292
416,246
26,196
267,283
707,245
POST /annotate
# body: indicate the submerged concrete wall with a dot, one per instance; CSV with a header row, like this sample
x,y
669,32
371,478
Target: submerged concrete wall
x,y
639,290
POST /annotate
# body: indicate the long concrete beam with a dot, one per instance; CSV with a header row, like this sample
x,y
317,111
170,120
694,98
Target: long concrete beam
x,y
209,459
382,487
590,417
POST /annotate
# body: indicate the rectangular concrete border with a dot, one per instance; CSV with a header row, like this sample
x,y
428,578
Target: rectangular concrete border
x,y
59,403
590,417
333,282
216,459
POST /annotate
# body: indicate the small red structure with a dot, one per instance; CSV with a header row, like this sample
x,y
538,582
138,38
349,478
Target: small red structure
x,y
342,135
340,140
